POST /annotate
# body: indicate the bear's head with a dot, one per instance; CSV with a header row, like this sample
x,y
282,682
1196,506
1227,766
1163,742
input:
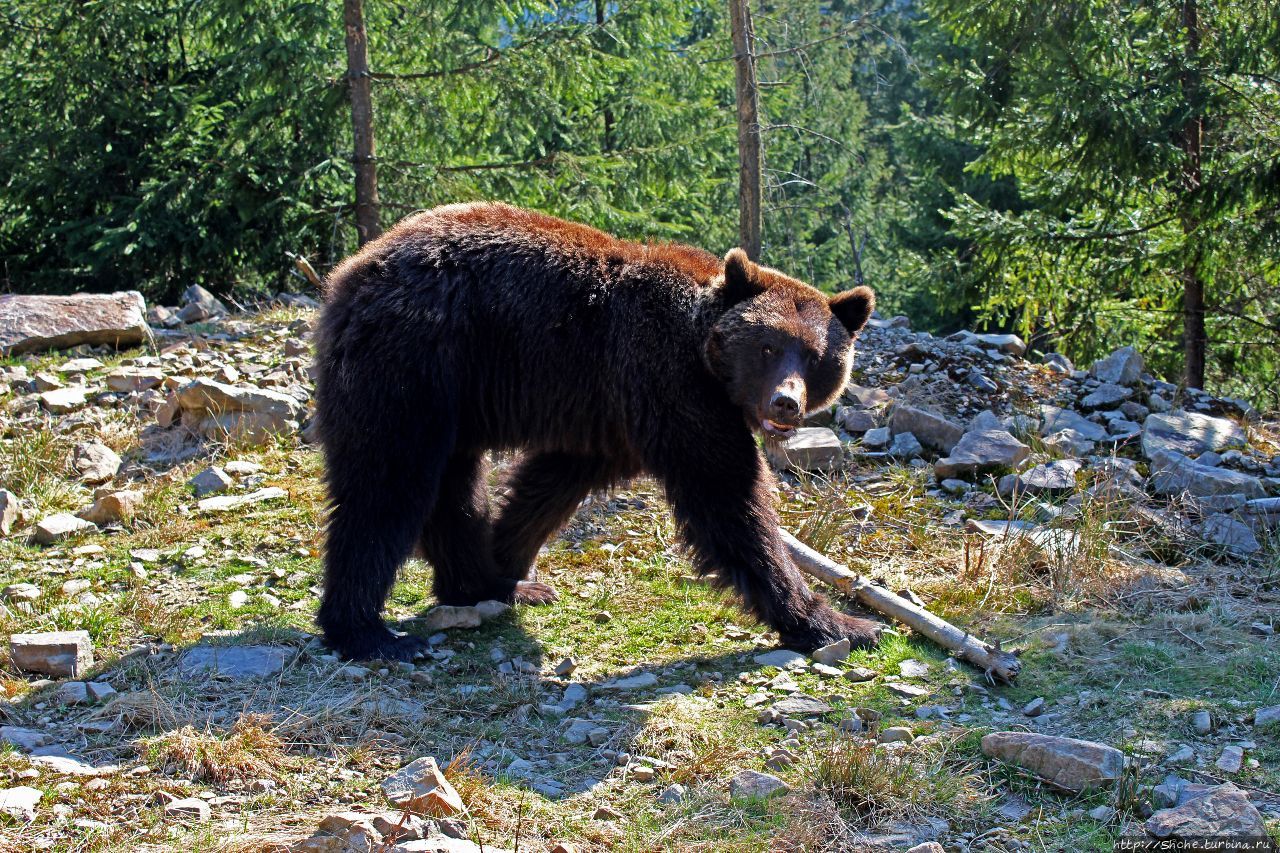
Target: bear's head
x,y
781,347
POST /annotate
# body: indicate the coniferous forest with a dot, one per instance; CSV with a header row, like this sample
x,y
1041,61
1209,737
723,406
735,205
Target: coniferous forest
x,y
1087,174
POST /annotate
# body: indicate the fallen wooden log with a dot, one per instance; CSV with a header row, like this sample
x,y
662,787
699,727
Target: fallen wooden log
x,y
998,664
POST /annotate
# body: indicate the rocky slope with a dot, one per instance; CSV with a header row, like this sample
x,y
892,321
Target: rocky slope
x,y
163,522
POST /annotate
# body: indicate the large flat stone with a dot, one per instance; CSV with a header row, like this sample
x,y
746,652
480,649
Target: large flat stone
x,y
1188,433
1056,420
234,661
1066,763
61,654
35,323
808,449
1172,473
420,787
1221,812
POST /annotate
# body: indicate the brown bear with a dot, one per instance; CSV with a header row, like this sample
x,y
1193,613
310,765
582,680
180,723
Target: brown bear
x,y
479,327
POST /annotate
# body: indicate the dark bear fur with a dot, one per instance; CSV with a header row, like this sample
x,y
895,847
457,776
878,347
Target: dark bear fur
x,y
481,327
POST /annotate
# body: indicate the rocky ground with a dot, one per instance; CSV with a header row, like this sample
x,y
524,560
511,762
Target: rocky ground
x,y
161,514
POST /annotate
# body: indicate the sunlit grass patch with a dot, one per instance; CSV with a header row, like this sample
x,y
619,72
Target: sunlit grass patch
x,y
249,750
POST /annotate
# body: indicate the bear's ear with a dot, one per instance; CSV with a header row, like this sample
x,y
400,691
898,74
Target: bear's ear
x,y
853,307
740,279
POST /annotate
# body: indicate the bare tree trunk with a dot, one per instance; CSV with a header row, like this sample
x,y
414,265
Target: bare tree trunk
x,y
359,85
607,142
748,97
995,662
1195,340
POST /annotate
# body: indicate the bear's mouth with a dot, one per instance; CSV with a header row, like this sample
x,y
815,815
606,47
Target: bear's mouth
x,y
778,430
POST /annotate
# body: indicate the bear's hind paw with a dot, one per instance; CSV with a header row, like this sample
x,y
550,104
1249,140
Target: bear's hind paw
x,y
391,647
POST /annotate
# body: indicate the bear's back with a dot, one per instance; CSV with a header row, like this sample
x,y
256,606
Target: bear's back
x,y
502,222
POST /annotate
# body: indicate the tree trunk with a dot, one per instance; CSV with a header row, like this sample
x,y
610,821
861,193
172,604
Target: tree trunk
x,y
606,143
1195,340
748,97
360,88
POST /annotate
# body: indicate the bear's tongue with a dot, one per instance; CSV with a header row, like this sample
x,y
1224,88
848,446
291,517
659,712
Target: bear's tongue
x,y
775,428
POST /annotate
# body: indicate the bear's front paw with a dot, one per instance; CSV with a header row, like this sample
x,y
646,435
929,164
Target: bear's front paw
x,y
533,592
828,626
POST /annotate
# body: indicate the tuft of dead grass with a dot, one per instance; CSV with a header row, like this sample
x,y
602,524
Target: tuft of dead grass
x,y
249,750
879,785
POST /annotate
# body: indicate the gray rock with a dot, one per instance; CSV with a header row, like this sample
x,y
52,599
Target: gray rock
x,y
225,503
126,379
781,658
35,323
234,661
832,653
1172,473
808,449
199,304
59,760
60,654
1059,363
930,429
905,446
20,803
633,682
800,705
1223,811
63,401
672,794
1188,433
1105,396
189,808
854,421
23,738
60,527
1034,708
1066,763
1056,476
1123,367
421,788
10,509
896,734
1266,717
95,462
981,451
981,382
1056,420
752,784
1231,759
928,847
1182,755
1232,536
877,439
210,481
1202,722
218,411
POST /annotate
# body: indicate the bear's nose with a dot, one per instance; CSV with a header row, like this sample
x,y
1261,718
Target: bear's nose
x,y
784,405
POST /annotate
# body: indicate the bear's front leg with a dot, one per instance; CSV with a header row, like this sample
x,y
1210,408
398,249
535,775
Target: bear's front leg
x,y
725,513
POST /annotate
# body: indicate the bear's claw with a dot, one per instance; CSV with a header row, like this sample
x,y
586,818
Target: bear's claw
x,y
534,593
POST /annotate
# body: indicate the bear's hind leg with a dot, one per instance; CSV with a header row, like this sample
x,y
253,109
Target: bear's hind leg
x,y
542,494
457,537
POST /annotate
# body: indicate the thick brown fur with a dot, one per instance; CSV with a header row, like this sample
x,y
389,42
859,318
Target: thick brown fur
x,y
481,327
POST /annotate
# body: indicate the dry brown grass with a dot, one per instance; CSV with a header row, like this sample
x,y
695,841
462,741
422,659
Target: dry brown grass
x,y
248,750
877,785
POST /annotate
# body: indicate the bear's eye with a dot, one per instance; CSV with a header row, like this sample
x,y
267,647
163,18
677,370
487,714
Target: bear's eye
x,y
766,351
813,360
